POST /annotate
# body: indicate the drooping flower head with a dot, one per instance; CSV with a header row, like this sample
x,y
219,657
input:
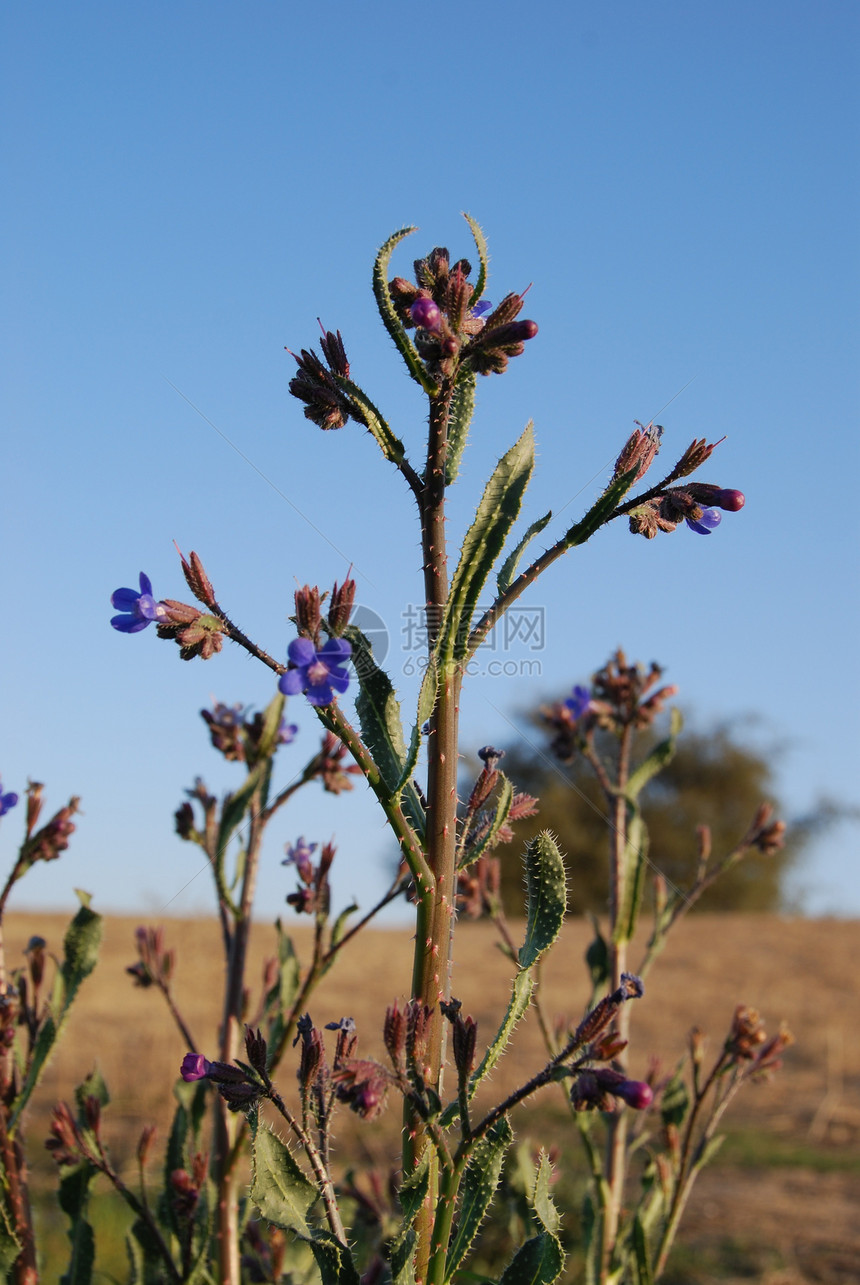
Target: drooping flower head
x,y
319,673
138,607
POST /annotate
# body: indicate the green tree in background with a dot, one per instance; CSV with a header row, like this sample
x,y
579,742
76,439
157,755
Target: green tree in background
x,y
712,780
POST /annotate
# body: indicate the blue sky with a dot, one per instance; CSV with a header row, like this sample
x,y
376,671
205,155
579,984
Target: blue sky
x,y
189,187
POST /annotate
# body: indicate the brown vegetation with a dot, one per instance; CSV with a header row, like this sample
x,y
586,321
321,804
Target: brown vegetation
x,y
782,1193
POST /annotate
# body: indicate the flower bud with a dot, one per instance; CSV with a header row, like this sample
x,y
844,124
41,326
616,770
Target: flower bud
x,y
731,501
426,314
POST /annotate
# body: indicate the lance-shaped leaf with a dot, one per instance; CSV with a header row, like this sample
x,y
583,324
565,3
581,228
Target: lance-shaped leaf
x,y
635,864
641,1254
426,704
504,799
546,897
483,256
485,539
400,1251
272,718
80,955
477,1190
74,1195
236,804
10,1245
601,510
659,757
459,419
511,562
390,444
378,712
390,319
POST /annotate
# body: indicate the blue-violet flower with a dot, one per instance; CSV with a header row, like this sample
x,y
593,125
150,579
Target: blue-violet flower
x,y
299,854
710,519
319,674
579,702
7,801
138,607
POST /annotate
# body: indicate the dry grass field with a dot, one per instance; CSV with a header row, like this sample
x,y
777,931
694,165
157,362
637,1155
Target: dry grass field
x,y
780,1206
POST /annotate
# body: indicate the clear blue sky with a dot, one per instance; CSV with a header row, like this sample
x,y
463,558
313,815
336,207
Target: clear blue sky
x,y
189,186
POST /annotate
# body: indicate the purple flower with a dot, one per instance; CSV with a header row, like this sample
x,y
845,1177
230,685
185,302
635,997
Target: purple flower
x,y
579,702
287,732
426,314
194,1067
299,854
138,608
319,674
481,308
7,801
710,519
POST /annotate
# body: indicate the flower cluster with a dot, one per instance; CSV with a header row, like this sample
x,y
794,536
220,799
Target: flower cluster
x,y
698,504
326,403
453,327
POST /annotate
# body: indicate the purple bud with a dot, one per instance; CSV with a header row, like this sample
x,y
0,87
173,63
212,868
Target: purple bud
x,y
194,1067
731,501
636,1093
426,314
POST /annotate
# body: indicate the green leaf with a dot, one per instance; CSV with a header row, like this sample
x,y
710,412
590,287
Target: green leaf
x,y
335,1262
400,1251
597,957
504,799
642,1253
236,805
279,1189
378,712
426,704
414,1188
80,955
390,319
485,539
538,1262
390,444
542,1201
635,861
659,757
602,510
483,256
10,1245
511,562
272,717
521,995
459,419
675,1102
546,897
709,1150
73,1195
477,1190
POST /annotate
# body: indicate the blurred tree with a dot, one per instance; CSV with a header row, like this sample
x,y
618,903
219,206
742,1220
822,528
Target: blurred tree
x,y
712,780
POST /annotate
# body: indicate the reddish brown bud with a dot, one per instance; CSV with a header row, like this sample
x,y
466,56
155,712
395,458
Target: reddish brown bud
x,y
198,581
308,617
340,607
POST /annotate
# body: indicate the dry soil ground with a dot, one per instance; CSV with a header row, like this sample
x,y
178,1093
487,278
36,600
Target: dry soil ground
x,y
782,1206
